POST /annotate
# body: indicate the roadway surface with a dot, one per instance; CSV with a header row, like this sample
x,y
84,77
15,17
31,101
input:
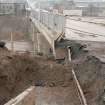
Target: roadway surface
x,y
95,20
78,30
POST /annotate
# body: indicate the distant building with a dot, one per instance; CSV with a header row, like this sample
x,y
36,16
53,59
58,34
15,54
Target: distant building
x,y
86,4
6,8
12,6
91,8
72,12
66,4
88,0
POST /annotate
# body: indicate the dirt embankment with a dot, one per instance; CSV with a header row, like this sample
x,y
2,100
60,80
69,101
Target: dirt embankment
x,y
18,72
91,74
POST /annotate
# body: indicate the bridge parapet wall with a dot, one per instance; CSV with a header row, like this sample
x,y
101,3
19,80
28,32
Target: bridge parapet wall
x,y
54,22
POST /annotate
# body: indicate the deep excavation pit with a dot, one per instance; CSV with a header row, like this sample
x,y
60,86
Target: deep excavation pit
x,y
19,72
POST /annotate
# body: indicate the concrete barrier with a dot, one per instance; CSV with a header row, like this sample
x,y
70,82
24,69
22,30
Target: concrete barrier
x,y
26,98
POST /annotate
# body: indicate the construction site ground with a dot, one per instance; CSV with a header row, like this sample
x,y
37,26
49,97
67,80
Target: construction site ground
x,y
18,25
20,71
54,81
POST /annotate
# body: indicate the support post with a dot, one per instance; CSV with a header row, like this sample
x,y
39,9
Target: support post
x,y
39,12
54,52
37,37
12,43
34,47
69,54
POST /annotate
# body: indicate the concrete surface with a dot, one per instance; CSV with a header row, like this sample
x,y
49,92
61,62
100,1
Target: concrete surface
x,y
57,96
95,20
78,30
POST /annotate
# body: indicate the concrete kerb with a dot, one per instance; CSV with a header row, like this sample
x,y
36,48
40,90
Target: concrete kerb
x,y
25,98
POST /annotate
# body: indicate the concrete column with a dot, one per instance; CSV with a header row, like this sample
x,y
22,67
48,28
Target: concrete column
x,y
33,39
12,43
38,41
69,53
54,52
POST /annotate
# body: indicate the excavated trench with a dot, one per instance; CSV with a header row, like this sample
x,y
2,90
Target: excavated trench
x,y
18,72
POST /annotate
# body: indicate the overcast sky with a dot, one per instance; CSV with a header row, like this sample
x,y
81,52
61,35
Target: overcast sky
x,y
85,0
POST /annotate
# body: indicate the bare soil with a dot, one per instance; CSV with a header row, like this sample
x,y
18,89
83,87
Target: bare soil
x,y
18,72
90,70
91,76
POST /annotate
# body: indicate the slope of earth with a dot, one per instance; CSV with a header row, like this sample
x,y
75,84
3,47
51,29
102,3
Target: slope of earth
x,y
91,74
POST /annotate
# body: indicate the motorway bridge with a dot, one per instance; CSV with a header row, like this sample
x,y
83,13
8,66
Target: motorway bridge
x,y
54,26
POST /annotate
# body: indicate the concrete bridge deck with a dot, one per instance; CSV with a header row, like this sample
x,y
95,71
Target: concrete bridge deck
x,y
85,31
